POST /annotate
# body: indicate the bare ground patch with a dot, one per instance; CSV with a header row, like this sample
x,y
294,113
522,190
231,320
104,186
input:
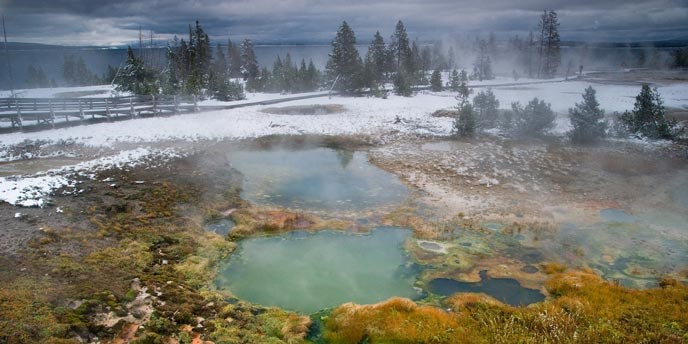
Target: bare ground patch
x,y
315,109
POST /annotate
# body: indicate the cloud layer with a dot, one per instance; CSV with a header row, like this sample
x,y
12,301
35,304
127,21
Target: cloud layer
x,y
107,22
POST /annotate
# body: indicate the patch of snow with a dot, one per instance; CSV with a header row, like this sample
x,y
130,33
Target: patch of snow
x,y
106,91
34,191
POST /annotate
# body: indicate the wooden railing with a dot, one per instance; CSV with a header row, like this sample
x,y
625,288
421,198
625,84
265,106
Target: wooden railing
x,y
23,111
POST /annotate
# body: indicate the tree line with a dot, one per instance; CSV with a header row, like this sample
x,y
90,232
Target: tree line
x,y
402,62
194,68
648,118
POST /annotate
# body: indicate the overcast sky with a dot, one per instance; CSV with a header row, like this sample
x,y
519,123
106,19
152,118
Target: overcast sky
x,y
116,22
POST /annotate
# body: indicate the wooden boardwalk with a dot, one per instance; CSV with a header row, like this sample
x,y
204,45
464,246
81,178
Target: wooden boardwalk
x,y
21,112
46,113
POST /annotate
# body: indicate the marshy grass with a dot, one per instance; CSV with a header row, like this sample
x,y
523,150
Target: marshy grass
x,y
583,308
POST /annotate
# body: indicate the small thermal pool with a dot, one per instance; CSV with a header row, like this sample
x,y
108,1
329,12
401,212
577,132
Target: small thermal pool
x,y
507,290
316,179
307,272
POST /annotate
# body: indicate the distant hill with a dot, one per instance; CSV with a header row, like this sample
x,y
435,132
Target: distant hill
x,y
29,46
673,43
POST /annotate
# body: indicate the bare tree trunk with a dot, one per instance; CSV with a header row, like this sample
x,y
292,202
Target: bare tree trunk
x,y
7,52
543,26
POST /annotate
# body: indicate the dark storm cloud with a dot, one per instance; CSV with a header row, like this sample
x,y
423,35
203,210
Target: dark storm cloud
x,y
109,22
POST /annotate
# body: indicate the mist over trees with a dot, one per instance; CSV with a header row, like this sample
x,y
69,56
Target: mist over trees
x,y
36,77
76,73
482,67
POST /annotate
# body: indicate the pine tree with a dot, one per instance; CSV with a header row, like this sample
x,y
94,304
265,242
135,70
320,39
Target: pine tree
x,y
679,58
482,67
463,76
451,62
379,58
110,74
543,26
415,66
587,119
426,59
550,45
344,65
135,77
218,70
436,81
455,81
529,54
402,84
199,62
492,45
438,59
535,119
263,83
400,49
486,107
76,73
464,124
170,79
314,76
648,117
302,84
553,60
234,59
36,77
288,74
68,70
183,60
249,64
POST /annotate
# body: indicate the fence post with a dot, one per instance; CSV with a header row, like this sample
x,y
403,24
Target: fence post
x,y
131,108
52,113
176,104
195,103
64,108
19,115
155,105
81,112
107,109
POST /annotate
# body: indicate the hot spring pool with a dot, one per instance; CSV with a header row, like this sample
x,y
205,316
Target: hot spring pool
x,y
307,272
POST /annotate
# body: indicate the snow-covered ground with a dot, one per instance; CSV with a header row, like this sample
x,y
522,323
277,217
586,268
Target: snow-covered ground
x,y
362,115
34,190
